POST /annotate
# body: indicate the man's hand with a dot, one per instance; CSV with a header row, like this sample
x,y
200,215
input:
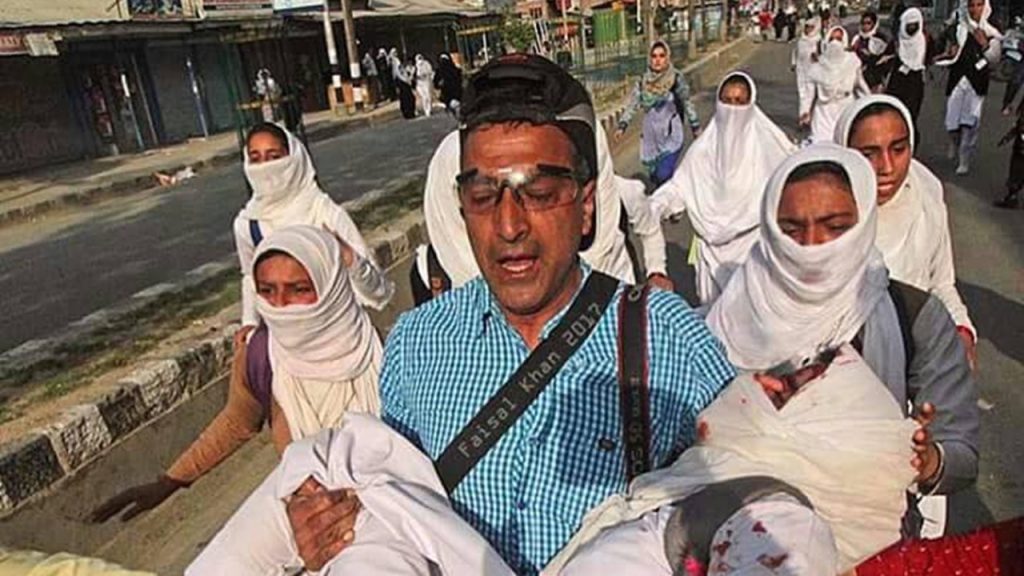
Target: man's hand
x,y
136,500
322,521
659,280
619,134
970,346
926,458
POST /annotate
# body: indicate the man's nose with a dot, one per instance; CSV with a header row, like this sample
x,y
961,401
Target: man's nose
x,y
510,217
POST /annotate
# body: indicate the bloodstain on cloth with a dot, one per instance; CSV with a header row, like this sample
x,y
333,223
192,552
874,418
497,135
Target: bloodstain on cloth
x,y
996,550
703,430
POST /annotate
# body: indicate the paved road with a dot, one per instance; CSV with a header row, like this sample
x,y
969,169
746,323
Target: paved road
x,y
989,251
61,268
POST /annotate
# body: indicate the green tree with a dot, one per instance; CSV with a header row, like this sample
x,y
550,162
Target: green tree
x,y
516,32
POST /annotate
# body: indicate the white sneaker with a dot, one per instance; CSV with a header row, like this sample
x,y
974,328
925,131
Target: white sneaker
x,y
962,169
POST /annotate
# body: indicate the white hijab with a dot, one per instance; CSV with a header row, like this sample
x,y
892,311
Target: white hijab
x,y
324,355
966,26
808,43
447,230
908,224
721,179
790,302
912,49
285,192
837,68
424,71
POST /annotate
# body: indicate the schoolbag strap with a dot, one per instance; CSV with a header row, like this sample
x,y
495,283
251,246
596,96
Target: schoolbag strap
x,y
255,233
908,302
259,375
634,391
440,282
516,395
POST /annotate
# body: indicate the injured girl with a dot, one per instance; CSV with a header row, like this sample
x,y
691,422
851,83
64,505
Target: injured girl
x,y
406,526
802,464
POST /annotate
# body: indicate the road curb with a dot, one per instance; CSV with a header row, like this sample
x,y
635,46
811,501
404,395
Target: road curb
x,y
137,184
37,462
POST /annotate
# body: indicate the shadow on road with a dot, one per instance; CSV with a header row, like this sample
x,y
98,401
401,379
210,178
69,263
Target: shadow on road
x,y
999,319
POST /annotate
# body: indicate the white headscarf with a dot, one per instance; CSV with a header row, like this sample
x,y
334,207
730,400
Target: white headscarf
x,y
790,302
720,183
284,191
447,230
912,49
837,68
914,222
722,176
424,71
807,45
324,355
966,26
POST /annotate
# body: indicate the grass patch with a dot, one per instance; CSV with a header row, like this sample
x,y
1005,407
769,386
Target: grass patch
x,y
390,206
115,345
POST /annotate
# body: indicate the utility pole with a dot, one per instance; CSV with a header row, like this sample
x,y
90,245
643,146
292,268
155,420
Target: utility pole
x,y
353,53
649,31
332,58
691,25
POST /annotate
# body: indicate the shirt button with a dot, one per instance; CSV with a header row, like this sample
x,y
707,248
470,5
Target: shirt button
x,y
606,445
521,505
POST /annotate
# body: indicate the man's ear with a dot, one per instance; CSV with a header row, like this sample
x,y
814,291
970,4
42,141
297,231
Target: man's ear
x,y
589,206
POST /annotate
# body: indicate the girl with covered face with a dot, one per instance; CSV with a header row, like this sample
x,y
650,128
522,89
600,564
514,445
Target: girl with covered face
x,y
316,357
721,180
837,82
911,53
664,95
285,192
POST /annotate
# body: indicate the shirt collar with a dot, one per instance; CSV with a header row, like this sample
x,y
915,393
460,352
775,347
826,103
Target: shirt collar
x,y
488,309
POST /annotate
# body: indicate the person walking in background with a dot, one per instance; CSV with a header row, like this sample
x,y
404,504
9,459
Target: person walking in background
x,y
285,193
405,76
779,22
372,78
664,95
424,74
1015,180
804,55
870,45
720,182
792,16
911,53
384,74
1013,51
970,57
449,82
837,82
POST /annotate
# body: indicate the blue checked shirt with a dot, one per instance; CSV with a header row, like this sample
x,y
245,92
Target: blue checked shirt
x,y
528,495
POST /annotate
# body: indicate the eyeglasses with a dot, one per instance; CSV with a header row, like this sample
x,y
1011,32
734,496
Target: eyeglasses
x,y
535,189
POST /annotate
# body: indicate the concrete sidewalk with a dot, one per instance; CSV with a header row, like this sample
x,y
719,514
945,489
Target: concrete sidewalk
x,y
30,194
